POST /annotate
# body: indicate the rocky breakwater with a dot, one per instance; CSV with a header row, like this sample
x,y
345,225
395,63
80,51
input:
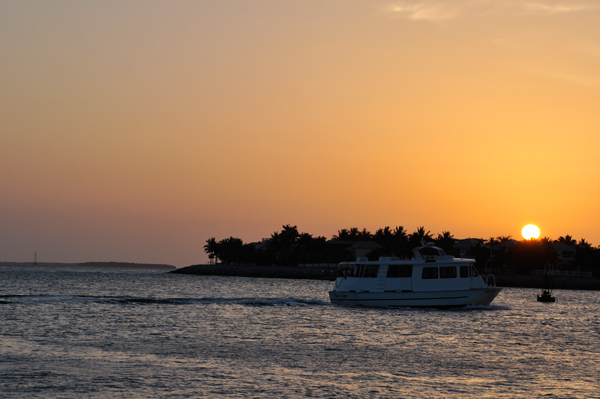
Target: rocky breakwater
x,y
557,282
317,273
288,272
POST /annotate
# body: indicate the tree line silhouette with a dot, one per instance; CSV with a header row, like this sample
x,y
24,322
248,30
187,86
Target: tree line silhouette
x,y
289,247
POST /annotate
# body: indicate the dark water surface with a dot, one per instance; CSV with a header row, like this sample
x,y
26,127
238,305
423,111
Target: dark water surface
x,y
68,332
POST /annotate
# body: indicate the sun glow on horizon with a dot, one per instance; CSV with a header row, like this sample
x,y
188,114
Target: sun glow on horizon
x,y
530,231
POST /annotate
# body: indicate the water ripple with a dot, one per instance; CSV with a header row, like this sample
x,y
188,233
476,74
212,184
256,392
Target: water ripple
x,y
83,334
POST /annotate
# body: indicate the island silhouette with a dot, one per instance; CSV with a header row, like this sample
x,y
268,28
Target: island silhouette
x,y
292,254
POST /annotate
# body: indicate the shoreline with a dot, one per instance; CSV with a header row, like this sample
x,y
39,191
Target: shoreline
x,y
108,265
285,272
304,273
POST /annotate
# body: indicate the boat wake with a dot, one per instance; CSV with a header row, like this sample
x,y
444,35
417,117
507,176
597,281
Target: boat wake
x,y
126,300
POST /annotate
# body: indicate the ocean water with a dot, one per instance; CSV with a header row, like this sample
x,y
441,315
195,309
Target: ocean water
x,y
67,332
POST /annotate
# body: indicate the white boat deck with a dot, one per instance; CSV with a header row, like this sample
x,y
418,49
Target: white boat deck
x,y
431,278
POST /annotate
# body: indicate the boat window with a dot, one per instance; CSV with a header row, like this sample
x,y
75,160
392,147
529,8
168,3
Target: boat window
x,y
358,271
474,271
371,271
399,271
429,273
430,251
349,272
464,271
448,272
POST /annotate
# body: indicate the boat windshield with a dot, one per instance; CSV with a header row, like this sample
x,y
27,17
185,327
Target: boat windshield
x,y
366,271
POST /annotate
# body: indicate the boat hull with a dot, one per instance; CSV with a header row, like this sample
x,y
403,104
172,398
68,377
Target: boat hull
x,y
542,298
434,299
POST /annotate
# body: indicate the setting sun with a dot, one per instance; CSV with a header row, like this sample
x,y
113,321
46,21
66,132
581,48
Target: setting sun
x,y
211,119
530,231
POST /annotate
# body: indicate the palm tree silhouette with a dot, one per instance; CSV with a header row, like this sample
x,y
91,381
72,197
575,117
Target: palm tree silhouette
x,y
445,241
491,241
418,236
400,233
212,248
567,240
584,244
342,235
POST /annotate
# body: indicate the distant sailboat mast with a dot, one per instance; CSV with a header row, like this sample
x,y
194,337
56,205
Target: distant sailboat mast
x,y
35,258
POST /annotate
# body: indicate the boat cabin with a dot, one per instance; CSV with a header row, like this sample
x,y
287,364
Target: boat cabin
x,y
429,279
430,269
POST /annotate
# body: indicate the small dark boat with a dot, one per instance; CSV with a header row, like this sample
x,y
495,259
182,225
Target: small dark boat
x,y
546,296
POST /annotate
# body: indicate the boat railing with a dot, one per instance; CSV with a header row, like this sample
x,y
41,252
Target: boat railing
x,y
491,280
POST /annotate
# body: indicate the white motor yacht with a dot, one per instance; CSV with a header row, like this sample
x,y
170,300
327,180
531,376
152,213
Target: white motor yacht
x,y
430,279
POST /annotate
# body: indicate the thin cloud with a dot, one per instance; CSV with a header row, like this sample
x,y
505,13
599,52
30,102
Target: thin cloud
x,y
555,8
435,11
425,12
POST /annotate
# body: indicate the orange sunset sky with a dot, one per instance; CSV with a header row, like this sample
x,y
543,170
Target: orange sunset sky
x,y
135,130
